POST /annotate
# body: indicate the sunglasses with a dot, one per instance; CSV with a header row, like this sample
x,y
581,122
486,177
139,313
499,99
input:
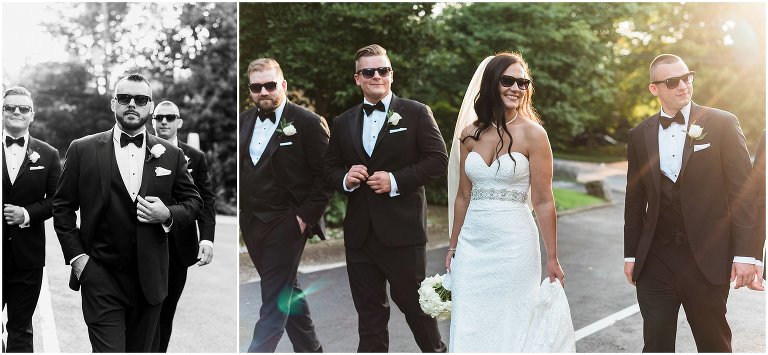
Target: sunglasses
x,y
125,99
370,72
23,109
169,118
672,83
256,87
507,81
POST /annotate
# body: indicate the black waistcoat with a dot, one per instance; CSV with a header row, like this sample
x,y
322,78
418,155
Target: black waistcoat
x,y
670,225
263,196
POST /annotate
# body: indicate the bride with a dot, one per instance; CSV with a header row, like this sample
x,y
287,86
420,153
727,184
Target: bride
x,y
494,257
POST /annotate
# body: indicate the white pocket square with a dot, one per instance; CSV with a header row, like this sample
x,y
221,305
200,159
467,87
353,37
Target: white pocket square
x,y
398,130
698,147
286,143
162,171
36,167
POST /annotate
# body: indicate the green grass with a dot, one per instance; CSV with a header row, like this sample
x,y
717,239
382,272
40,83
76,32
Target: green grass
x,y
569,199
605,154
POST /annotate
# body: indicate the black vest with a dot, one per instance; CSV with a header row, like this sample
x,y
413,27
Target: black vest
x,y
115,239
264,197
669,226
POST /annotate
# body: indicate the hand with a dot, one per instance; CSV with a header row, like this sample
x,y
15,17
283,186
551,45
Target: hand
x,y
555,271
629,267
14,215
205,255
357,175
79,264
743,274
757,282
379,182
448,259
302,225
152,210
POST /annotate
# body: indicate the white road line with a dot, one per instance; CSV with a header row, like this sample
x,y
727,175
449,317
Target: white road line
x,y
607,321
47,323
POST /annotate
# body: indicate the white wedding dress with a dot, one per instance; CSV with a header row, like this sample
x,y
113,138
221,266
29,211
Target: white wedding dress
x,y
498,303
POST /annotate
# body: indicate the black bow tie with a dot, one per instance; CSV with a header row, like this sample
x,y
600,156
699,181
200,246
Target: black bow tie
x,y
369,108
138,140
666,121
9,141
263,116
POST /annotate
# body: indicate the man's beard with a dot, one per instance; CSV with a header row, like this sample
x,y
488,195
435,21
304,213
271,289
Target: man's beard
x,y
271,106
131,126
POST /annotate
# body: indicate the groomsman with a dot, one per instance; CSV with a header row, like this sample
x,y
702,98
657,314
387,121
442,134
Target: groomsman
x,y
689,219
282,200
381,153
31,169
184,250
132,189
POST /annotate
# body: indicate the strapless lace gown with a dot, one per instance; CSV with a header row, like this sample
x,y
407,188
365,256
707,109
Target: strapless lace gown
x,y
498,302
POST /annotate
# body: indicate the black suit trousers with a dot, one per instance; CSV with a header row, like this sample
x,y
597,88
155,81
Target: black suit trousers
x,y
21,289
670,278
275,249
177,278
369,268
118,316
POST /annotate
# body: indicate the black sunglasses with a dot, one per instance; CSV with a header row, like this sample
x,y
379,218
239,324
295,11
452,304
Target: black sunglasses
x,y
169,118
370,72
140,100
507,81
23,109
672,83
256,87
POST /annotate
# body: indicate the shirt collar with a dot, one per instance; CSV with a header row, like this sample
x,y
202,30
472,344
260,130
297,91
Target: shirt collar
x,y
386,101
26,138
686,110
117,131
174,141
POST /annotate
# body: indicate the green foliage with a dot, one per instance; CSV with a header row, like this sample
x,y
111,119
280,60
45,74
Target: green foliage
x,y
337,208
569,199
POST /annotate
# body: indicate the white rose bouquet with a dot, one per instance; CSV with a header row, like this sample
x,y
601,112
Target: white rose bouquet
x,y
435,299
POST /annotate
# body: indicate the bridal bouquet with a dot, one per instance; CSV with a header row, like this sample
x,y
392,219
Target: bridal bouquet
x,y
435,299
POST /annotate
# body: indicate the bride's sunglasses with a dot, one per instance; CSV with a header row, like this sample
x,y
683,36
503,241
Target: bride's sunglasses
x,y
672,83
507,81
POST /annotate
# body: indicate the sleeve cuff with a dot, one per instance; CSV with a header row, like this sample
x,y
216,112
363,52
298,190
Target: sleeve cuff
x,y
629,260
206,242
344,184
167,228
393,186
26,218
744,259
75,258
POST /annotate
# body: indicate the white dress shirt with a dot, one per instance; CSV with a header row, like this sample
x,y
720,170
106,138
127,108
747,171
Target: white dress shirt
x,y
262,133
371,128
14,157
671,145
175,142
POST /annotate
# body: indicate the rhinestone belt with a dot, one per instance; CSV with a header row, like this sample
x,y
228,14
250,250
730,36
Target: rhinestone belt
x,y
499,194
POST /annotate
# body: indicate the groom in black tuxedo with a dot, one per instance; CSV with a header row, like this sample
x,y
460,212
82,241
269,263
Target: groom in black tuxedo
x,y
31,169
381,154
689,219
132,189
282,200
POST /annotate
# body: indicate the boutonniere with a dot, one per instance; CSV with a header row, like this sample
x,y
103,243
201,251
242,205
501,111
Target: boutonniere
x,y
393,118
186,158
696,133
33,156
155,152
286,129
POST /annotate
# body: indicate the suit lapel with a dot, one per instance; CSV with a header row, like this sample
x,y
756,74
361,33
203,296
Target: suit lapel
x,y
651,133
246,135
25,163
149,165
356,130
697,113
394,106
274,141
6,177
104,156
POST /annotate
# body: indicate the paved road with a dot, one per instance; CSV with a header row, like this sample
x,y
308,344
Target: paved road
x,y
591,252
205,318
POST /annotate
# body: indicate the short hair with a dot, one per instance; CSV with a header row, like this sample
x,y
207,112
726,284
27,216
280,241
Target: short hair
x,y
263,64
18,90
135,77
662,59
165,103
371,50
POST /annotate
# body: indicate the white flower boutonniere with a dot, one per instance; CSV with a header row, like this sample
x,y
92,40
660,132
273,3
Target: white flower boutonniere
x,y
393,118
157,150
33,156
286,129
696,133
186,158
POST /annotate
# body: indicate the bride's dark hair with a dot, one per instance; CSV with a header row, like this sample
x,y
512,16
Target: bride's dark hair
x,y
488,105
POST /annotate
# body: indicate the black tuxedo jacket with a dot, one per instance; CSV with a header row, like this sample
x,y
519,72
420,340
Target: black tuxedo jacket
x,y
296,161
715,196
33,189
412,150
758,181
85,185
186,246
